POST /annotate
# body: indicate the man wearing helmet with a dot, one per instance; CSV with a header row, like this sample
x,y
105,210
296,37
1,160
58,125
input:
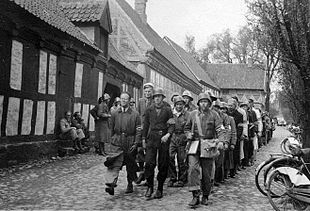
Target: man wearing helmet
x,y
155,136
202,126
189,106
177,145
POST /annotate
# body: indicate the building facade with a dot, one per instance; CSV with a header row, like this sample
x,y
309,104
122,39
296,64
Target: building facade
x,y
49,66
242,80
154,59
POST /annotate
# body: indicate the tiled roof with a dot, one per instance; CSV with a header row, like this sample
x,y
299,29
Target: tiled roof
x,y
49,11
114,54
86,11
237,76
155,40
191,64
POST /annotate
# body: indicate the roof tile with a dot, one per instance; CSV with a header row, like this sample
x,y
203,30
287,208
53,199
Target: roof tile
x,y
50,12
237,76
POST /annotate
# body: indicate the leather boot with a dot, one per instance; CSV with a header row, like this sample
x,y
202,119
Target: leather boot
x,y
204,200
149,192
195,200
110,187
140,178
158,194
129,188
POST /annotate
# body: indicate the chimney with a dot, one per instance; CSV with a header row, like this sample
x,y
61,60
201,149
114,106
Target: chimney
x,y
140,7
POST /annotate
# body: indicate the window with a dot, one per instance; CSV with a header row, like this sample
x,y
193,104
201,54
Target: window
x,y
47,64
78,80
125,87
16,65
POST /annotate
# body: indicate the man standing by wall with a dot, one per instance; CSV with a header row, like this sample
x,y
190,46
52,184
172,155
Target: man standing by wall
x,y
126,137
156,134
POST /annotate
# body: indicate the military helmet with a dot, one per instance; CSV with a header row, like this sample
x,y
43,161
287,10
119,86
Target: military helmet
x,y
224,105
202,96
173,95
188,94
106,96
178,99
117,99
217,103
159,91
242,104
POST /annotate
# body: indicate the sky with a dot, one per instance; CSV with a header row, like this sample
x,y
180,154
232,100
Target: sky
x,y
200,18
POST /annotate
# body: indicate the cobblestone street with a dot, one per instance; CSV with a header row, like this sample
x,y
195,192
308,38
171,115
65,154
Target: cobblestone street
x,y
78,183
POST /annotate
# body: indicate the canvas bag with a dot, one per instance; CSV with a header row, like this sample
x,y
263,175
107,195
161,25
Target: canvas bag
x,y
208,147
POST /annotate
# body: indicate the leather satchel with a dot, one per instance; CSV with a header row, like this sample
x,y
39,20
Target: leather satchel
x,y
208,147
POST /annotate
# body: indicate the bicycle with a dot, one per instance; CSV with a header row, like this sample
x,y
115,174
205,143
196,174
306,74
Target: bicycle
x,y
289,187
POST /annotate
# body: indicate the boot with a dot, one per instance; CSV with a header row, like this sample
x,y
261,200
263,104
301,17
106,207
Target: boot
x,y
140,178
158,194
129,188
204,200
149,192
110,187
195,200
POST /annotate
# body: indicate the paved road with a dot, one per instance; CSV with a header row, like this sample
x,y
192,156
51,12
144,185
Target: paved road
x,y
77,183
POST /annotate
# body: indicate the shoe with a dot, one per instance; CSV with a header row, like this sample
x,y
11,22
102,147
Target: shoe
x,y
110,190
195,201
158,195
204,201
129,188
178,184
111,184
149,192
170,183
140,179
216,184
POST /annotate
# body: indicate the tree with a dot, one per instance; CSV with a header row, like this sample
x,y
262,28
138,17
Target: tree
x,y
190,47
288,24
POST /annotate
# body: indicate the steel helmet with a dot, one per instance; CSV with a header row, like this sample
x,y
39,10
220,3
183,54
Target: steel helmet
x,y
188,94
178,99
159,91
217,103
117,99
224,105
106,96
173,95
202,96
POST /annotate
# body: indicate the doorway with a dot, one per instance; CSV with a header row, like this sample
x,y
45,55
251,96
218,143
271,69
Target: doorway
x,y
113,91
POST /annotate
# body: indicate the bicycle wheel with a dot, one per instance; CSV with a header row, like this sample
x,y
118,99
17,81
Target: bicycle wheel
x,y
260,181
277,189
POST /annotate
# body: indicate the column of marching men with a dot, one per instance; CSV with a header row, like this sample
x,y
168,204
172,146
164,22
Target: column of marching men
x,y
193,146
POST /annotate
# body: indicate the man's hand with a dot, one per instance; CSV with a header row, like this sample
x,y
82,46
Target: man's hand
x,y
143,144
259,134
232,147
165,138
189,135
225,146
220,145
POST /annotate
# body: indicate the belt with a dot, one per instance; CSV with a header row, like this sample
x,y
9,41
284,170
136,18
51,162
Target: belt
x,y
124,134
178,132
